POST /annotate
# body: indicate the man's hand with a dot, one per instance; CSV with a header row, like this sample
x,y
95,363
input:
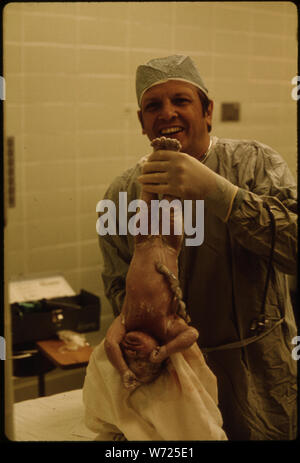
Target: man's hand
x,y
182,176
177,174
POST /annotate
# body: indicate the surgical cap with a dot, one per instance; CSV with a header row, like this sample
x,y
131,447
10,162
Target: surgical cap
x,y
159,70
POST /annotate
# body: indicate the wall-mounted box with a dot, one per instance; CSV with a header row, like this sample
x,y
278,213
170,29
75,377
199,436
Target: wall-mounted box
x,y
230,112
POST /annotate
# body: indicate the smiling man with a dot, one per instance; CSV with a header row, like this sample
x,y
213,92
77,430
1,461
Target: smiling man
x,y
173,109
234,284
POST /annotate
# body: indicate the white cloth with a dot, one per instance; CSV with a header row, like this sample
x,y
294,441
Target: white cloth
x,y
59,417
181,404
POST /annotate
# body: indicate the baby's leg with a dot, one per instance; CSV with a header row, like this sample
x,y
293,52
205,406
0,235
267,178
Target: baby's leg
x,y
113,338
182,337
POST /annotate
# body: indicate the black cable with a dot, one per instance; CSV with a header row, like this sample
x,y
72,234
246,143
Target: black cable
x,y
273,231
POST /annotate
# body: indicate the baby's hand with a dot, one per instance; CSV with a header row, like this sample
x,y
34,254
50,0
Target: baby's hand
x,y
158,354
130,381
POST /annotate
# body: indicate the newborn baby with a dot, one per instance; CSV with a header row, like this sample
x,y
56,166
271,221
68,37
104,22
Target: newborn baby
x,y
150,344
152,304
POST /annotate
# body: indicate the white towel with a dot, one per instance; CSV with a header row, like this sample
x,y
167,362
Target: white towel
x,y
181,404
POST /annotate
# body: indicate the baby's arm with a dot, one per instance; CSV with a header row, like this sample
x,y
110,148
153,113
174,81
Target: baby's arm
x,y
181,337
113,338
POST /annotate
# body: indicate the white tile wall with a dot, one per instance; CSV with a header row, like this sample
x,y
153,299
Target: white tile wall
x,y
70,69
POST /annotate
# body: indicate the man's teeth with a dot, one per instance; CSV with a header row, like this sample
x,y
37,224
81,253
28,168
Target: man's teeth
x,y
170,130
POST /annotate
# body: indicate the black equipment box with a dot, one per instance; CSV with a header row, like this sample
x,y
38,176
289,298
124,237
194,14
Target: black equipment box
x,y
39,320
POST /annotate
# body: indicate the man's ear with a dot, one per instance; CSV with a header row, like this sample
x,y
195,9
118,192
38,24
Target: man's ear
x,y
209,112
139,113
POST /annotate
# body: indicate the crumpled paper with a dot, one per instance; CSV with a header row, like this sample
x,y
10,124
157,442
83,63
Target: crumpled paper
x,y
73,341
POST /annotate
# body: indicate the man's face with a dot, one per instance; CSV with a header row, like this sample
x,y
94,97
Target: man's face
x,y
173,109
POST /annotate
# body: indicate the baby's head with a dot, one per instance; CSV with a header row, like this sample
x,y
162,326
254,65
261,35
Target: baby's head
x,y
137,347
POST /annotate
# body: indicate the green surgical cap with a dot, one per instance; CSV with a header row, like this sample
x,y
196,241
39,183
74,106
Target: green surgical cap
x,y
159,70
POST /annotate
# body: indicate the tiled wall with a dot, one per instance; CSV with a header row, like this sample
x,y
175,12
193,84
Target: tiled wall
x,y
70,105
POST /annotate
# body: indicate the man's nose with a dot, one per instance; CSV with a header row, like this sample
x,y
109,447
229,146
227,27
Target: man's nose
x,y
168,111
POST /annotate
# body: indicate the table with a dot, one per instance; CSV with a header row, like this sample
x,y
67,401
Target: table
x,y
55,350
